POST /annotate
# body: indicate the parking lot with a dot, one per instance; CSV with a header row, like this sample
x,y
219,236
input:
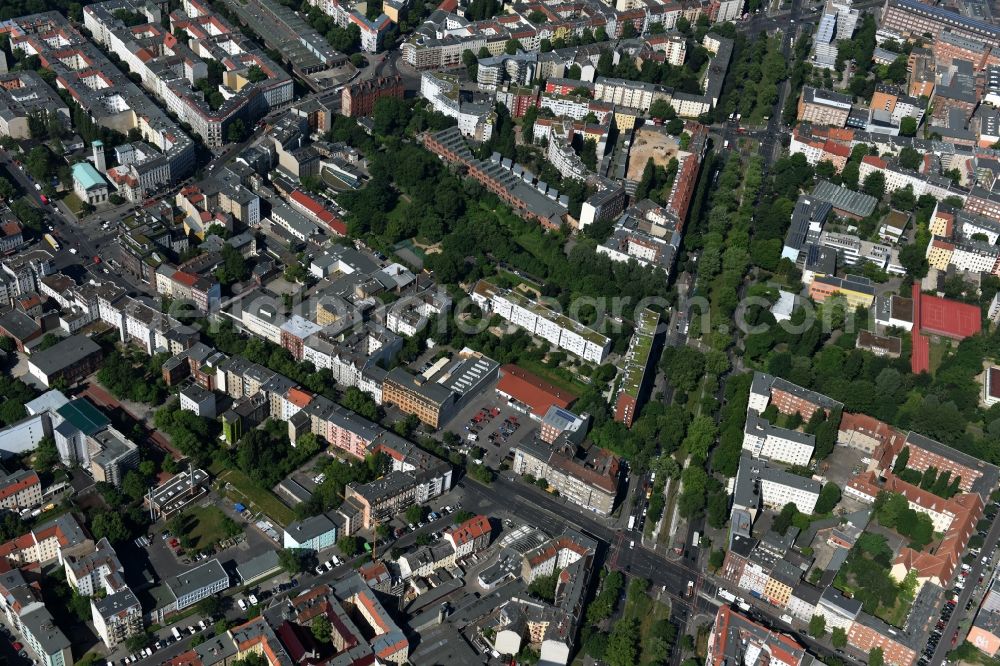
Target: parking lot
x,y
166,564
499,428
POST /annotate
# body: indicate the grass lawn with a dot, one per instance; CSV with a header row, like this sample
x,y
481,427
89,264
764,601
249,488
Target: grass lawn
x,y
649,612
939,349
896,616
254,497
206,529
73,203
663,538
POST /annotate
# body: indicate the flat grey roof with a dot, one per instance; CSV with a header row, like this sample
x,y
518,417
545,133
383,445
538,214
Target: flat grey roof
x,y
197,578
64,354
259,566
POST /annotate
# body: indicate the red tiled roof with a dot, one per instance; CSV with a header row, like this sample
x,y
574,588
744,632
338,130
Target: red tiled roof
x,y
299,397
838,149
532,390
16,487
319,211
470,530
186,279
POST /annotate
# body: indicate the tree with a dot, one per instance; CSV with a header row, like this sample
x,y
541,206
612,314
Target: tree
x,y
512,47
623,643
321,628
839,637
903,199
414,514
349,546
471,63
544,587
901,459
46,455
876,657
138,641
913,259
829,496
662,109
910,158
784,519
908,126
716,559
817,626
209,606
109,525
293,560
675,126
874,184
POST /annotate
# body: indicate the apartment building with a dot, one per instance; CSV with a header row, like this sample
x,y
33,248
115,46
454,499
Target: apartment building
x,y
764,440
869,632
99,574
252,84
925,452
639,358
20,490
734,635
823,107
344,14
469,537
537,319
915,18
358,99
760,485
840,612
531,198
788,397
964,255
27,615
474,114
46,542
24,95
590,481
316,533
89,77
897,178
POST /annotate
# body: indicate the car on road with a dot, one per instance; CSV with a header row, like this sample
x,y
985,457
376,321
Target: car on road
x,y
17,646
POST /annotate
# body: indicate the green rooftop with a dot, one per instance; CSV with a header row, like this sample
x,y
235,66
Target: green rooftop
x,y
87,176
637,356
83,416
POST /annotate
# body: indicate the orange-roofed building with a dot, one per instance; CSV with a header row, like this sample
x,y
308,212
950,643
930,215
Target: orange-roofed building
x,y
734,636
531,391
471,536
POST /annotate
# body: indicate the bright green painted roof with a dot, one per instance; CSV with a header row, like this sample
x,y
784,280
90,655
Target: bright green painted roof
x,y
87,176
